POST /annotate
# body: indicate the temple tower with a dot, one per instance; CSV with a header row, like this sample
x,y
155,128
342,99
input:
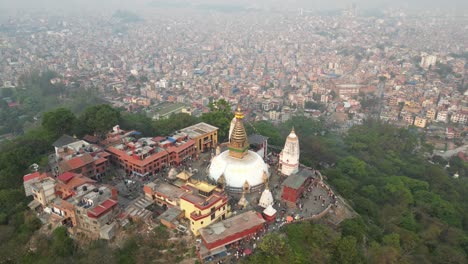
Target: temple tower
x,y
238,143
289,156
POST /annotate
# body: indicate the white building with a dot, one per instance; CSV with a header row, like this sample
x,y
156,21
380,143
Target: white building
x,y
266,199
442,116
289,156
459,118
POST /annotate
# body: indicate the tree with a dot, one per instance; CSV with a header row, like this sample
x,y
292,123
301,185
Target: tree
x,y
6,92
220,115
267,129
354,227
98,119
352,167
139,122
392,240
315,105
274,244
166,127
383,254
58,122
346,251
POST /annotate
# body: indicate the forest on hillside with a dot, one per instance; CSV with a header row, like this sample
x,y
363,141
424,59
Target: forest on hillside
x,y
410,211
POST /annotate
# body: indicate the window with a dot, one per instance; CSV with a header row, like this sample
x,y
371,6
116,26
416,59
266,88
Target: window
x,y
202,222
193,223
213,216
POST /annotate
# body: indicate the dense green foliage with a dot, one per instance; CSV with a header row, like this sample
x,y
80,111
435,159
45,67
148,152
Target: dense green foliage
x,y
411,211
59,121
38,92
98,119
17,224
220,116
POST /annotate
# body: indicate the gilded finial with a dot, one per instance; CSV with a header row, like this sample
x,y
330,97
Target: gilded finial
x,y
239,114
238,142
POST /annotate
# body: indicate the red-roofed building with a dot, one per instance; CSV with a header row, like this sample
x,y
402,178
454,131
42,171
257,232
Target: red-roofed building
x,y
65,177
79,156
68,183
216,236
101,209
146,156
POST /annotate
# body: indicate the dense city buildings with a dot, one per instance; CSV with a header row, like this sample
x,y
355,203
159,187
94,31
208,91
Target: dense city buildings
x,y
341,68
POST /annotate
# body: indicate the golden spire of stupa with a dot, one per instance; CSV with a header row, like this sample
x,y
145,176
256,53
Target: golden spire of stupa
x,y
238,145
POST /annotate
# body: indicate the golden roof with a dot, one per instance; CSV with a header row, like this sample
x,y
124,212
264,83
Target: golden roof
x,y
239,114
238,132
238,145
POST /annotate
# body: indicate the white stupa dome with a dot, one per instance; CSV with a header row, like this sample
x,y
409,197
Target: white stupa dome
x,y
237,171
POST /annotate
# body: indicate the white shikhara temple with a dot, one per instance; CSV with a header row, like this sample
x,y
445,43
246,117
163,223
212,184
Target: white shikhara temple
x,y
239,167
266,200
289,156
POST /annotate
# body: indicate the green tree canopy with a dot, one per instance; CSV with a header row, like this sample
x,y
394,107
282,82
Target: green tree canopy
x,y
346,251
220,115
98,119
58,122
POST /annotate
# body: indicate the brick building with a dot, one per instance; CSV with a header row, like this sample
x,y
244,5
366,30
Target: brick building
x,y
217,236
294,186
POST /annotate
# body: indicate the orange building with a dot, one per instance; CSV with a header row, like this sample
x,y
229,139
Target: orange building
x,y
68,182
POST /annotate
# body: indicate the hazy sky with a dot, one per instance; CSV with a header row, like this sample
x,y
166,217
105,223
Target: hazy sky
x,y
95,5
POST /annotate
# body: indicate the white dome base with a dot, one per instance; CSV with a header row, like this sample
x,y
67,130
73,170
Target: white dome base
x,y
237,171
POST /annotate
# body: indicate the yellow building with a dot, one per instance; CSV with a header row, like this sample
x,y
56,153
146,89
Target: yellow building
x,y
205,136
431,114
420,122
204,205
